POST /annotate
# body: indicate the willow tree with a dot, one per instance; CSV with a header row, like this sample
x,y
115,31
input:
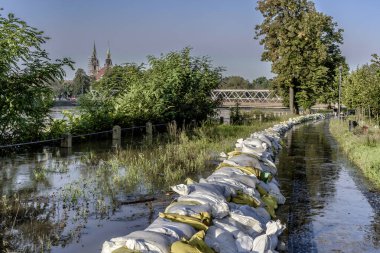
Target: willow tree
x,y
303,46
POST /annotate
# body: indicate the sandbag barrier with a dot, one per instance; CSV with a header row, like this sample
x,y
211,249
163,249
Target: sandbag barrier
x,y
231,211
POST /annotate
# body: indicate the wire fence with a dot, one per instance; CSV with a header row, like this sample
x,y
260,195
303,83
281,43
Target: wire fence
x,y
17,145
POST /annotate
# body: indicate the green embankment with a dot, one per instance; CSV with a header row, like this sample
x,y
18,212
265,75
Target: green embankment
x,y
363,149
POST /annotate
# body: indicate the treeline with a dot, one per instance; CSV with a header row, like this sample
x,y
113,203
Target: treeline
x,y
361,88
238,82
175,86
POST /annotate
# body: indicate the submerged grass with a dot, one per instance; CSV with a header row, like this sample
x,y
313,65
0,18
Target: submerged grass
x,y
362,148
189,154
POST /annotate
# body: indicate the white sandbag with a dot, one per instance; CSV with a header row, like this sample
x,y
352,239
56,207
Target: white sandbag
x,y
269,240
109,247
217,190
145,241
238,175
261,244
188,209
237,185
219,206
237,227
176,230
258,213
220,240
244,244
248,221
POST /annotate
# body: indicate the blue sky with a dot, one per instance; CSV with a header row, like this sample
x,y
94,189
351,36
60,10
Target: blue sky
x,y
221,29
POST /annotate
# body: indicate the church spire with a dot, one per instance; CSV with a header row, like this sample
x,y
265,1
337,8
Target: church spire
x,y
108,57
93,63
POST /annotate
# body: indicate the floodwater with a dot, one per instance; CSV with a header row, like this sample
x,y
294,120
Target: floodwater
x,y
330,207
74,207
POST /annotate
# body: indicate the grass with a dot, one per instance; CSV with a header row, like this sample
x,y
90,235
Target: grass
x,y
188,154
362,148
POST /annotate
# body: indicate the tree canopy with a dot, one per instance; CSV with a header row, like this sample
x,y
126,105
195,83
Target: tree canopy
x,y
174,86
303,46
361,88
25,73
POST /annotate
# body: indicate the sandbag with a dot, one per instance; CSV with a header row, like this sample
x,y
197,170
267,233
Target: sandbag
x,y
269,240
234,183
219,206
195,245
220,240
200,222
259,213
239,228
173,229
188,208
142,241
272,189
217,190
245,199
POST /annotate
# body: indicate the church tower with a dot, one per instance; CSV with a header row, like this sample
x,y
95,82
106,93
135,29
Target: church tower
x,y
93,64
108,59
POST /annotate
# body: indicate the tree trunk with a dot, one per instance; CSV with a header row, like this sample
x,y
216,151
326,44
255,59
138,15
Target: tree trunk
x,y
292,105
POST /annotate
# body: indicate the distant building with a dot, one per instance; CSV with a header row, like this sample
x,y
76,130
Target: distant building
x,y
93,64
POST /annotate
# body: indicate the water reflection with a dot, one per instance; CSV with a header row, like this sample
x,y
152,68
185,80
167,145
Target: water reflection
x,y
325,210
52,197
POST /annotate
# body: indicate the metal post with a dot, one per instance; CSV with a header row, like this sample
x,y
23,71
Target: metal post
x,y
340,88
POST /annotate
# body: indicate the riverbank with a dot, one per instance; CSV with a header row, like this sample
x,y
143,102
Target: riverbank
x,y
362,148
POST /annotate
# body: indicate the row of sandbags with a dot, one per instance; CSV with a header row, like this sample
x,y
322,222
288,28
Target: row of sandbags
x,y
231,211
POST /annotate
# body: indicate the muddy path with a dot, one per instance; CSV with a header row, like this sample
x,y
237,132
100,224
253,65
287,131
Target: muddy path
x,y
330,206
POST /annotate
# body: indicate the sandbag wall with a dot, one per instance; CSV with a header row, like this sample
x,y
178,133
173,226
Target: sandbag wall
x,y
233,210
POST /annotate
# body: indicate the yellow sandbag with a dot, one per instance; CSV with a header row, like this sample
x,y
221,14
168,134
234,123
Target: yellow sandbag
x,y
124,249
200,221
196,244
271,205
244,199
261,190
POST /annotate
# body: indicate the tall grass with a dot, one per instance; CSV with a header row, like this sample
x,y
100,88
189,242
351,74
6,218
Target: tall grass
x,y
362,148
188,154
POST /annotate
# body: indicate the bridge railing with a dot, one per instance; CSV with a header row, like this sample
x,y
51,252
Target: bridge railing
x,y
247,96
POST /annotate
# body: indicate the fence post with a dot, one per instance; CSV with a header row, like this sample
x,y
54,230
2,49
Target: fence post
x,y
149,132
116,137
260,117
116,133
66,141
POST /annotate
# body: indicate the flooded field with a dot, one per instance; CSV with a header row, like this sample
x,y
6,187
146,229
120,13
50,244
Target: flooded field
x,y
330,207
60,200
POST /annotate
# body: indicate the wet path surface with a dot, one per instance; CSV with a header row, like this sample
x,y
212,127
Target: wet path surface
x,y
330,207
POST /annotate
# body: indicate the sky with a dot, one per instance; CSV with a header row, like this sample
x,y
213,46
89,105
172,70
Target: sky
x,y
220,29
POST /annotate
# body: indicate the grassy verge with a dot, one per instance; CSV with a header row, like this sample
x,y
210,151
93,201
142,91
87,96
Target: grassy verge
x,y
362,148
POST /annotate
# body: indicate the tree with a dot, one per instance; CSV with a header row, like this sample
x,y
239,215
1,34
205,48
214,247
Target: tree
x,y
177,86
234,82
303,46
261,83
81,82
361,89
25,74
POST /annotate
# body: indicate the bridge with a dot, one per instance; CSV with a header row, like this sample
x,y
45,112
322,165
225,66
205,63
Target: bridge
x,y
249,98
